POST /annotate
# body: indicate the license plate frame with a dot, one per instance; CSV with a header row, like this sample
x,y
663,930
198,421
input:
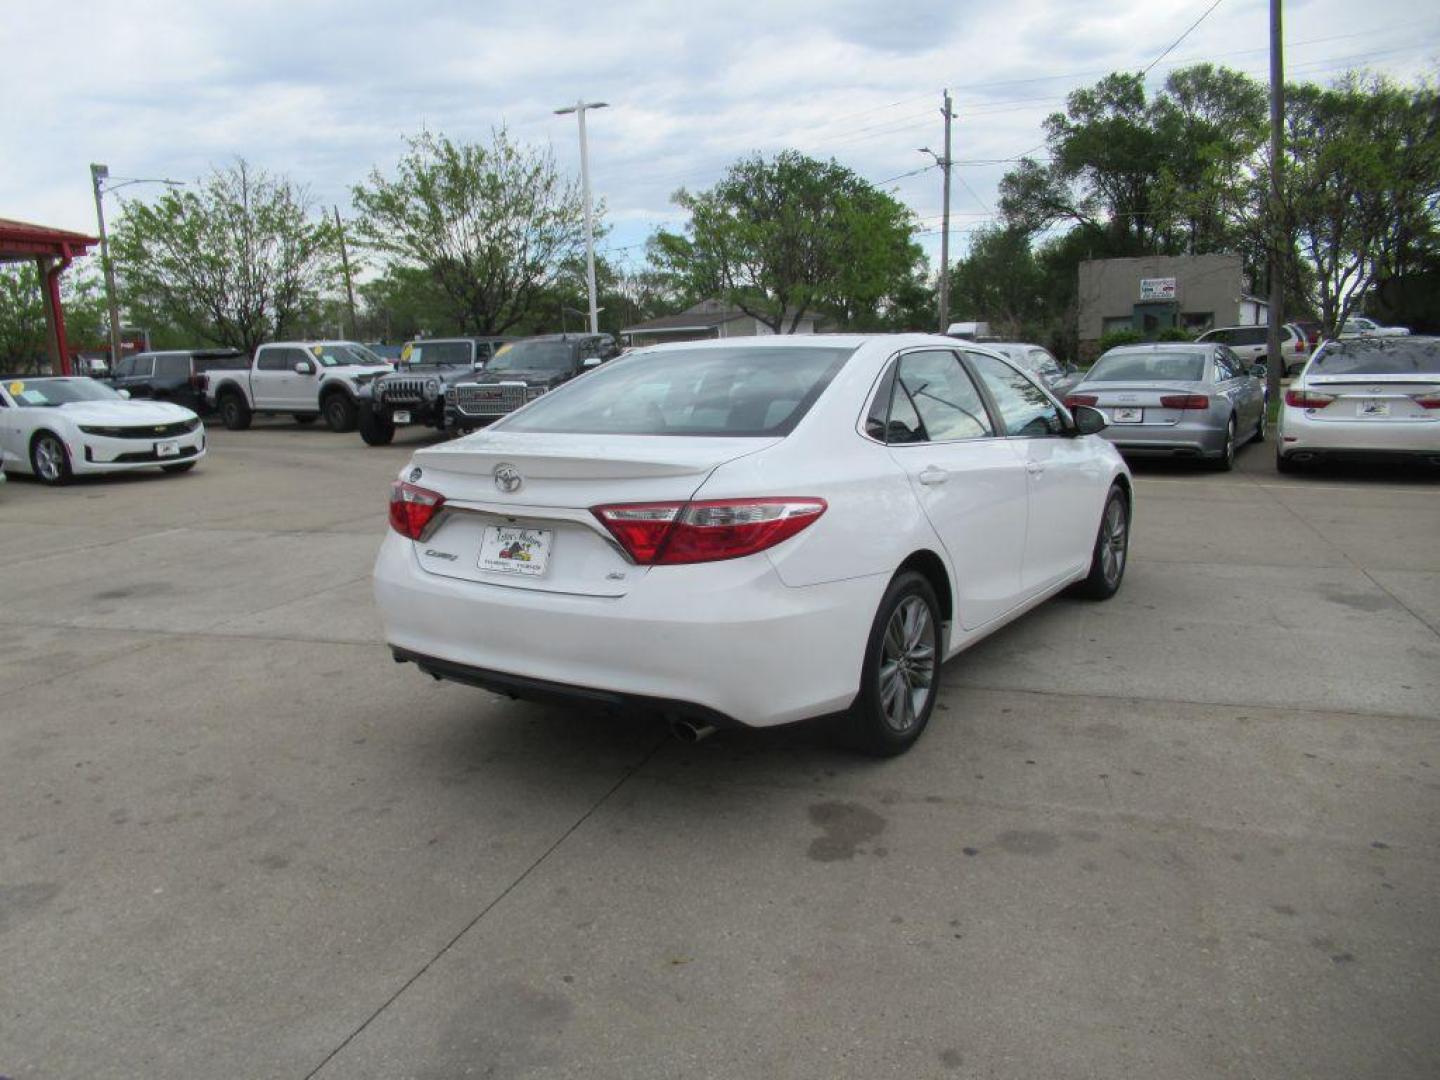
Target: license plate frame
x,y
516,550
1127,414
401,416
1371,407
168,448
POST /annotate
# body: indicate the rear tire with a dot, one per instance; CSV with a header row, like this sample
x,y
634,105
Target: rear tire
x,y
901,672
1111,552
1283,464
1263,422
339,412
49,460
235,413
377,429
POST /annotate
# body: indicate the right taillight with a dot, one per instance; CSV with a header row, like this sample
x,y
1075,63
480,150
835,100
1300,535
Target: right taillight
x,y
1184,401
1307,399
1072,400
412,507
1427,401
669,534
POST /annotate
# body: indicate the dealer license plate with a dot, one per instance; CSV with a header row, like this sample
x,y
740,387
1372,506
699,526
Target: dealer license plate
x,y
510,549
1127,415
167,449
401,416
1373,408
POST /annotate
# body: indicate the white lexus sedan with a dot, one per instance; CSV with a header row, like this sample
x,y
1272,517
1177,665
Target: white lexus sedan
x,y
1364,399
56,427
753,531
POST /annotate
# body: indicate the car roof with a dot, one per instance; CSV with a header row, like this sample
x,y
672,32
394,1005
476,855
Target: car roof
x,y
433,340
1200,348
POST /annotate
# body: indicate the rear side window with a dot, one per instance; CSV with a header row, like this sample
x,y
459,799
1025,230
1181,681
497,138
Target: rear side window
x,y
274,359
172,367
934,400
1026,410
144,366
700,391
239,362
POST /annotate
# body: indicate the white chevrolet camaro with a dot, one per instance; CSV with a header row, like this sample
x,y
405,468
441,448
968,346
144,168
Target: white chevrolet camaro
x,y
752,532
56,427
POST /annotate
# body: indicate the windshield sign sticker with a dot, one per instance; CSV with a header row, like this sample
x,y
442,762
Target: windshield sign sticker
x,y
406,351
318,350
17,388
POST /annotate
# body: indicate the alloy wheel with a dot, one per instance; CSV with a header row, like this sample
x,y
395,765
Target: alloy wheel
x,y
1114,540
907,664
49,458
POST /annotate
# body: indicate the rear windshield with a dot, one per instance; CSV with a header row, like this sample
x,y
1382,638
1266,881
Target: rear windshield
x,y
1148,367
713,391
1379,356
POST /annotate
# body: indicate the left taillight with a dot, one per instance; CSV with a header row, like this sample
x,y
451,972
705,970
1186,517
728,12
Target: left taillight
x,y
412,507
710,530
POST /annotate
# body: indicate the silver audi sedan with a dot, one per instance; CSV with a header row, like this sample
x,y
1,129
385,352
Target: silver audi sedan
x,y
1175,399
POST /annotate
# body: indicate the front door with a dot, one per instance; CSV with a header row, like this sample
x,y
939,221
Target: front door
x,y
1063,475
969,481
276,384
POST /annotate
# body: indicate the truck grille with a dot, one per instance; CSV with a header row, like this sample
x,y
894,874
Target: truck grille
x,y
398,390
489,399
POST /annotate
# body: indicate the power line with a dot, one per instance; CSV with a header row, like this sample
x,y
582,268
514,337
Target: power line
x,y
1182,37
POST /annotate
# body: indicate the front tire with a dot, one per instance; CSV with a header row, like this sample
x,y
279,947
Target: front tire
x,y
1111,551
901,670
376,428
235,414
49,460
339,412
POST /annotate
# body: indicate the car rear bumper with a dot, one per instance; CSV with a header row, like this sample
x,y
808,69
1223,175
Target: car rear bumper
x,y
1303,436
1172,440
727,642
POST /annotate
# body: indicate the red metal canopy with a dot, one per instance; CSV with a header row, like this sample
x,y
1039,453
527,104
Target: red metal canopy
x,y
51,250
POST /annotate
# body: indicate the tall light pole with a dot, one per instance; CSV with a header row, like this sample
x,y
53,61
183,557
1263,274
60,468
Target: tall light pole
x,y
98,175
1275,361
579,109
945,163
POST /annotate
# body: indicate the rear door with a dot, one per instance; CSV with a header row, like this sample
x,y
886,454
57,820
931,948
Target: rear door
x,y
277,385
970,482
1066,479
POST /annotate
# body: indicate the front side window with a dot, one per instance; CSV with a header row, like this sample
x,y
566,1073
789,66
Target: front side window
x,y
125,368
934,400
734,391
144,366
1027,411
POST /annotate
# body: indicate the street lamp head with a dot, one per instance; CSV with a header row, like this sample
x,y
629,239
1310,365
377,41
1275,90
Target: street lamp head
x,y
581,105
99,172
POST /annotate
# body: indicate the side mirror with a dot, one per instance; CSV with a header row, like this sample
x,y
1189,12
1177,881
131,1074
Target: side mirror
x,y
1259,371
125,394
590,362
1088,420
304,367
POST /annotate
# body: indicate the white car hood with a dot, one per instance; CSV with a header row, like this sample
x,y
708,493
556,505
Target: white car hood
x,y
124,413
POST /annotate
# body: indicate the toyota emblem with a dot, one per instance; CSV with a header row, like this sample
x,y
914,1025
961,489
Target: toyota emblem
x,y
507,478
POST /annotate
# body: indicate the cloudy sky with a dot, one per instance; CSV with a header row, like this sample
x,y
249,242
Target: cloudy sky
x,y
324,89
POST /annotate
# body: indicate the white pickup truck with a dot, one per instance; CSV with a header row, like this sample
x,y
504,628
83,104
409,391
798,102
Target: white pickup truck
x,y
304,379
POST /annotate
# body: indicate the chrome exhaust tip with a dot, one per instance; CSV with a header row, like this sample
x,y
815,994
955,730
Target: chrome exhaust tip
x,y
687,731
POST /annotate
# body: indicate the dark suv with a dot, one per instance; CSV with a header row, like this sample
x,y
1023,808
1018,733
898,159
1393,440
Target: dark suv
x,y
521,372
177,375
415,392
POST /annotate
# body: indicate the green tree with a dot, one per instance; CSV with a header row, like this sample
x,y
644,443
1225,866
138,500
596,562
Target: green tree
x,y
1362,186
999,281
490,226
22,313
237,259
792,236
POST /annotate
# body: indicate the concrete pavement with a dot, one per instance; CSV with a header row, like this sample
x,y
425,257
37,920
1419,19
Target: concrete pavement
x,y
1187,833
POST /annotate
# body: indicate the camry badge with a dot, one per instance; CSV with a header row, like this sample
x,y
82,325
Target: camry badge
x,y
507,478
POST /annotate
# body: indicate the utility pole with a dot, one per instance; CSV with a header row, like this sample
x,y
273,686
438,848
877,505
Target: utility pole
x,y
98,174
1275,365
579,109
345,264
946,163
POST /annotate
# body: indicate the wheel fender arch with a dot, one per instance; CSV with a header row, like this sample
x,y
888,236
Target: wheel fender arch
x,y
36,436
930,565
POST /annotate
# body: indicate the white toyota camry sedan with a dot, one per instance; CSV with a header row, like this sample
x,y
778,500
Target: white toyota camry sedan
x,y
753,532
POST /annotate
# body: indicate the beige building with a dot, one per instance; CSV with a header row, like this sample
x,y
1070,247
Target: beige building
x,y
1156,292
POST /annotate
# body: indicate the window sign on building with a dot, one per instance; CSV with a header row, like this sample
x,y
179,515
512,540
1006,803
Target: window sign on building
x,y
1159,288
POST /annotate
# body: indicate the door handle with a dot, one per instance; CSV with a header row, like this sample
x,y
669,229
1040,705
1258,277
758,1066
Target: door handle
x,y
1034,468
932,475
